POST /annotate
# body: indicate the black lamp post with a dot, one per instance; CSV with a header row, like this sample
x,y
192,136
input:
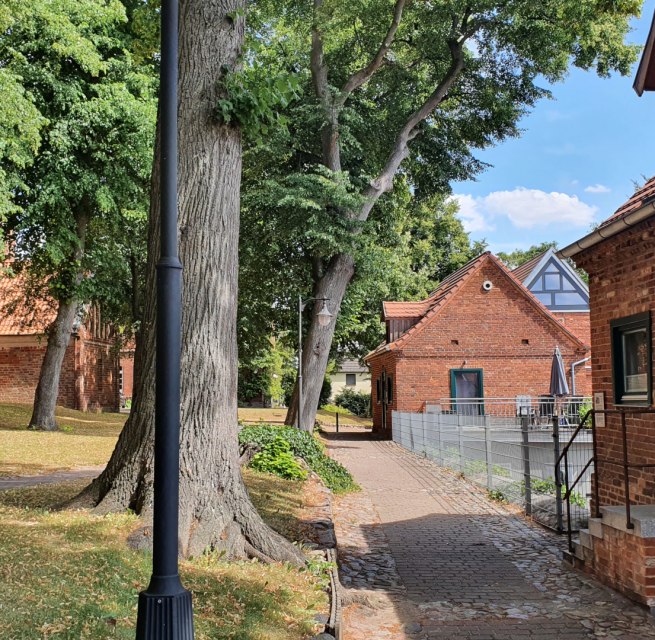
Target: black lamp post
x,y
165,608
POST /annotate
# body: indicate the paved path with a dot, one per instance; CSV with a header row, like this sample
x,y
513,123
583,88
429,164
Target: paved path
x,y
426,555
49,478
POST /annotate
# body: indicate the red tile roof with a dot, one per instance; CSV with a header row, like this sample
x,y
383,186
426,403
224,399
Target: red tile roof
x,y
445,291
522,272
640,197
404,309
17,315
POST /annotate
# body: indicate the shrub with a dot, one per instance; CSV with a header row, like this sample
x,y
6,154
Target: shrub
x,y
303,445
332,408
276,458
357,402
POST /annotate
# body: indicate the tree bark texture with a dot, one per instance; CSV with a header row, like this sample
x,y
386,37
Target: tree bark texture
x,y
59,336
334,282
215,509
316,346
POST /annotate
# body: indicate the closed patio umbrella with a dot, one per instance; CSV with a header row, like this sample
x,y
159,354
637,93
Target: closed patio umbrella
x,y
558,385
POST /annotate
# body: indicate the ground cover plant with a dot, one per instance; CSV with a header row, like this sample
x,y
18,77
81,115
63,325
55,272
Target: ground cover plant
x,y
303,445
76,577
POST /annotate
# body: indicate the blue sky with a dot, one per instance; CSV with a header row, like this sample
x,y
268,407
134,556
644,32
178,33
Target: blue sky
x,y
574,165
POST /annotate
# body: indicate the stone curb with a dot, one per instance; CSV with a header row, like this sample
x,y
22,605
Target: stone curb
x,y
324,526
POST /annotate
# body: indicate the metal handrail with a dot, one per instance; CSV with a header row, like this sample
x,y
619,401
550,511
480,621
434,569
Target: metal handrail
x,y
564,456
624,463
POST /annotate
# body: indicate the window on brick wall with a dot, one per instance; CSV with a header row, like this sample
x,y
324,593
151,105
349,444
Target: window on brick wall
x,y
351,379
632,359
378,390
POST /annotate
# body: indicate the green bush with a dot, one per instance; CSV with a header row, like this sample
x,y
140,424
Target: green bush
x,y
357,402
303,445
332,408
276,458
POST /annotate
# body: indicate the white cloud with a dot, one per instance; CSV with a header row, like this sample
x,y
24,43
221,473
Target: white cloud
x,y
469,212
597,188
525,209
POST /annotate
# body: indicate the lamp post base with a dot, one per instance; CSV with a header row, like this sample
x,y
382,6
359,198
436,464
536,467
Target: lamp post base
x,y
165,617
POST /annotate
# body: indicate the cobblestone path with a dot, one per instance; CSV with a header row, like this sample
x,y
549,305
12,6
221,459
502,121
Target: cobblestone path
x,y
425,555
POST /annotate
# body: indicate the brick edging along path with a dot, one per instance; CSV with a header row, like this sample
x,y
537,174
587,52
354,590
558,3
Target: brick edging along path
x,y
424,554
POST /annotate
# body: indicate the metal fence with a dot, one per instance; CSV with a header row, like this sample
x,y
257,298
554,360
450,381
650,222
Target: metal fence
x,y
512,456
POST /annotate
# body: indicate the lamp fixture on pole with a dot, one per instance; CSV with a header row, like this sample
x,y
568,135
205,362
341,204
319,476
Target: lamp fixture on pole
x,y
324,318
165,609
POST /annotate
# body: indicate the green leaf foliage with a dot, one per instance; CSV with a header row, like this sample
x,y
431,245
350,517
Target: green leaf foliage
x,y
276,458
303,445
357,402
76,175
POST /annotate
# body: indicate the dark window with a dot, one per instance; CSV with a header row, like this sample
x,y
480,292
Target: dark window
x,y
631,359
351,379
389,390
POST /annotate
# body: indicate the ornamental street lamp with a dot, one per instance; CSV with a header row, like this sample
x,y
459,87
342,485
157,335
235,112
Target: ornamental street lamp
x,y
324,317
165,608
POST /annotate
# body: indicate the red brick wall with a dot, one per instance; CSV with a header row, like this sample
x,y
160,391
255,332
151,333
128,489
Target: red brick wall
x,y
97,377
88,375
127,364
386,362
625,562
578,323
622,283
484,330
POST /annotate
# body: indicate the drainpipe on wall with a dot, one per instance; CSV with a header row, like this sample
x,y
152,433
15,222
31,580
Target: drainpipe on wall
x,y
573,366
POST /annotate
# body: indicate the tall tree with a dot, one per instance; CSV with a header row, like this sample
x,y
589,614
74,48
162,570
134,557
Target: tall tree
x,y
96,115
399,87
518,257
215,510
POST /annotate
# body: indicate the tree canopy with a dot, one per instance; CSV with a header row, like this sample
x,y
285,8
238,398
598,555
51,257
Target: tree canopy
x,y
347,101
77,160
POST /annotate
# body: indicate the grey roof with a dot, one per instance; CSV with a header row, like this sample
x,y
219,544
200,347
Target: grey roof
x,y
351,366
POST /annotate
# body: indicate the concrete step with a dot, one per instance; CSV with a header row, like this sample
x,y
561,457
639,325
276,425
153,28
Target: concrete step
x,y
585,539
596,527
642,517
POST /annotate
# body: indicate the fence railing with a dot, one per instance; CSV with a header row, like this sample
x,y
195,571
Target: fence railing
x,y
513,457
540,409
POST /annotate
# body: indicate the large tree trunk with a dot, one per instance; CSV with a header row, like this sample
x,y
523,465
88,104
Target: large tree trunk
x,y
47,390
316,346
59,335
215,510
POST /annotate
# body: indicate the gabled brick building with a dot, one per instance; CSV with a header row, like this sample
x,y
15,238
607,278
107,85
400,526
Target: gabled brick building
x,y
90,371
620,259
482,333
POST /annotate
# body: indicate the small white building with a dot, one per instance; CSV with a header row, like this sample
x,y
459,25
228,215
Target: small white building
x,y
350,374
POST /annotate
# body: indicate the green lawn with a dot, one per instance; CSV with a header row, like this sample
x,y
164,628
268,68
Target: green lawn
x,y
87,439
70,575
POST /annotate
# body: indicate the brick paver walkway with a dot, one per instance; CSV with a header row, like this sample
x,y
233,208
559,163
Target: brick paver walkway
x,y
426,555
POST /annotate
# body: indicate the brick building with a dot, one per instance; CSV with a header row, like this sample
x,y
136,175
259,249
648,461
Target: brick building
x,y
90,371
484,332
620,259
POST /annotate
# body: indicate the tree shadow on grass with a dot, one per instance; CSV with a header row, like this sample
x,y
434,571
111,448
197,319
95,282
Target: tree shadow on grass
x,y
70,574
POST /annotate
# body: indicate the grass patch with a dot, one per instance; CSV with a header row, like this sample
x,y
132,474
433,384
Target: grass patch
x,y
86,439
70,575
277,500
277,416
303,445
